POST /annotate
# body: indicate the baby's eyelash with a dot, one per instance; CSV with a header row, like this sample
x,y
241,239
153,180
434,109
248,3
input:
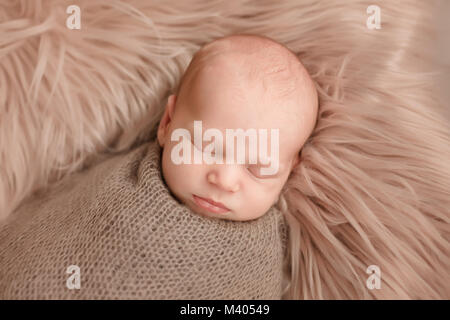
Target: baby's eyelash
x,y
256,175
248,167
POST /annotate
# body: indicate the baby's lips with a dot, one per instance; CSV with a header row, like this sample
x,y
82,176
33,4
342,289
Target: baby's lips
x,y
212,202
217,204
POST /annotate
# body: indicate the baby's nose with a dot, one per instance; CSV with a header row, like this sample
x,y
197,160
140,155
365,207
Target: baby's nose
x,y
225,178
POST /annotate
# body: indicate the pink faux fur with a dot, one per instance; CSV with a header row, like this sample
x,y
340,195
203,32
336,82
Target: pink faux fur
x,y
373,187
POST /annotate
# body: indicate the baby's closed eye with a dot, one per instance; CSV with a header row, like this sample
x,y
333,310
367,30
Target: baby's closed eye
x,y
253,169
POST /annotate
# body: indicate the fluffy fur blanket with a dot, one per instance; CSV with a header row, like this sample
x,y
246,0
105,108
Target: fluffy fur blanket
x,y
373,185
119,224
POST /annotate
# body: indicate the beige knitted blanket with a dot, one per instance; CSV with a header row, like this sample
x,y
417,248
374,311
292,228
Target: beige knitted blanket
x,y
118,223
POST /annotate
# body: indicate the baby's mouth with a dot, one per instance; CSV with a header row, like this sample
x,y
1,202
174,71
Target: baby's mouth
x,y
210,205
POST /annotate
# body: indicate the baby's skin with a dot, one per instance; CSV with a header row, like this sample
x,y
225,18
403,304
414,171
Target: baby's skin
x,y
237,82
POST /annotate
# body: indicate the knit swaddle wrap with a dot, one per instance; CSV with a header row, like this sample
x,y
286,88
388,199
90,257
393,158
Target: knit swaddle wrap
x,y
131,239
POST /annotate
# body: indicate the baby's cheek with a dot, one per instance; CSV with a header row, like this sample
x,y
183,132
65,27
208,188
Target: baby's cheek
x,y
258,200
182,178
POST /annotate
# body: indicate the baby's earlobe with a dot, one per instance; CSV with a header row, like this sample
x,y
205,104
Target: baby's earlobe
x,y
160,139
161,134
296,162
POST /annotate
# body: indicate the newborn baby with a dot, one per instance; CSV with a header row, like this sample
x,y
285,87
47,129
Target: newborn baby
x,y
237,82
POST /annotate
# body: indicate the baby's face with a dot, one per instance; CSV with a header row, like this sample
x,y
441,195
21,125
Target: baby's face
x,y
221,99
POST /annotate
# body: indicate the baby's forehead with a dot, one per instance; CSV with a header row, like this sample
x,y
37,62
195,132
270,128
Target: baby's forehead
x,y
226,88
273,76
221,97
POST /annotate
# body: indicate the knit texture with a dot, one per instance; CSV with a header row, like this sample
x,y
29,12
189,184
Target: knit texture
x,y
118,222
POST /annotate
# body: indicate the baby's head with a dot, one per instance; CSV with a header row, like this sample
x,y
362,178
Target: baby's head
x,y
237,82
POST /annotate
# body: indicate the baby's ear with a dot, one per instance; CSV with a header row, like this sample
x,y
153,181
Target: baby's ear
x,y
166,119
296,161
